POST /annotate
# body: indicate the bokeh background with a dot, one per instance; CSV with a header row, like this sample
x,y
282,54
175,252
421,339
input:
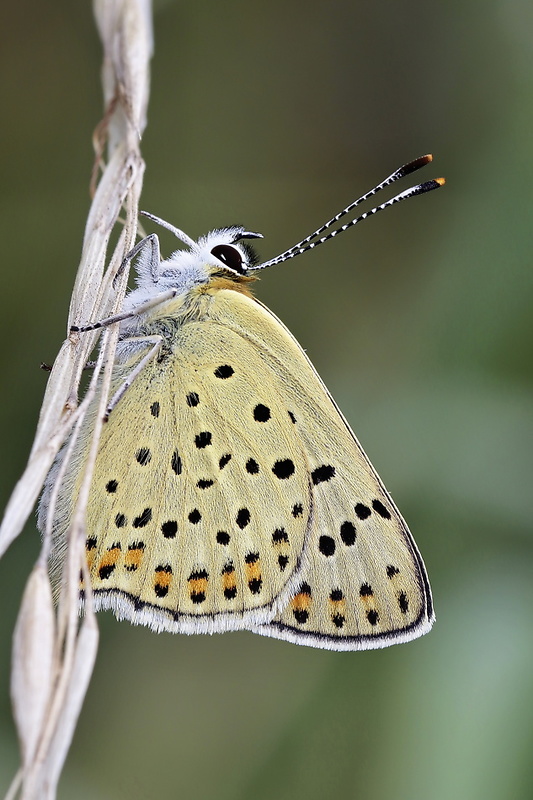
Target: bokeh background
x,y
276,114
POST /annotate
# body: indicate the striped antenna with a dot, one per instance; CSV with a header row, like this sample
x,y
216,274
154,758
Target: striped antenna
x,y
309,244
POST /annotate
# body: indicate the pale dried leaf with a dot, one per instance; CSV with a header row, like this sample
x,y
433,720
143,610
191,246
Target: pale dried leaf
x,y
32,666
126,31
84,658
53,659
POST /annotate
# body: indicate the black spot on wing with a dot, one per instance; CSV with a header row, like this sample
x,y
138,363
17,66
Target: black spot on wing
x,y
261,413
282,562
169,529
326,545
105,571
203,439
143,456
380,509
362,511
143,519
243,518
283,468
323,473
403,602
224,371
175,463
348,533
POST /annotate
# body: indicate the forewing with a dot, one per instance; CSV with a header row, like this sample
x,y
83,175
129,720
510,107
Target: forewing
x,y
200,504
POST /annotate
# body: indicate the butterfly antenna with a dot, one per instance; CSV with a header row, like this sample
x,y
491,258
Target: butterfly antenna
x,y
406,169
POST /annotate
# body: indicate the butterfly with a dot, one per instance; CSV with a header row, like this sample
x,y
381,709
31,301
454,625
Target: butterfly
x,y
229,492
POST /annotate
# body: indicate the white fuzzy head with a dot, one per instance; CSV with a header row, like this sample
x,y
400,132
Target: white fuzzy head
x,y
221,249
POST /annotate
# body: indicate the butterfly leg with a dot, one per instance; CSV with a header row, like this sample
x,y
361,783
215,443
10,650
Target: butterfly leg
x,y
156,342
140,309
151,241
48,367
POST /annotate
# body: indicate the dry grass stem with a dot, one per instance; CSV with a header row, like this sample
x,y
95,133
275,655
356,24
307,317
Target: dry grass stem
x,y
53,654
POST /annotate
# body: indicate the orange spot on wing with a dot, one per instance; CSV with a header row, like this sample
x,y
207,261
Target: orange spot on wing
x,y
163,577
198,585
228,580
110,558
90,552
338,606
133,557
253,571
301,602
162,580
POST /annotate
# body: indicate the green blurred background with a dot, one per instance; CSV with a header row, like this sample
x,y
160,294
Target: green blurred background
x,y
276,114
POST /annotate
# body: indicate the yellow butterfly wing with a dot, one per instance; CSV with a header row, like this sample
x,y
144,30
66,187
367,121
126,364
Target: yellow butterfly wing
x,y
201,501
363,583
230,493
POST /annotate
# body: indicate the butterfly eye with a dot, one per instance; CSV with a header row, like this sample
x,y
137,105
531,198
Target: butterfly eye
x,y
228,255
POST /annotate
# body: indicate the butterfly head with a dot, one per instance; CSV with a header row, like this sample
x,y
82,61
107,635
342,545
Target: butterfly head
x,y
222,258
226,251
222,252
